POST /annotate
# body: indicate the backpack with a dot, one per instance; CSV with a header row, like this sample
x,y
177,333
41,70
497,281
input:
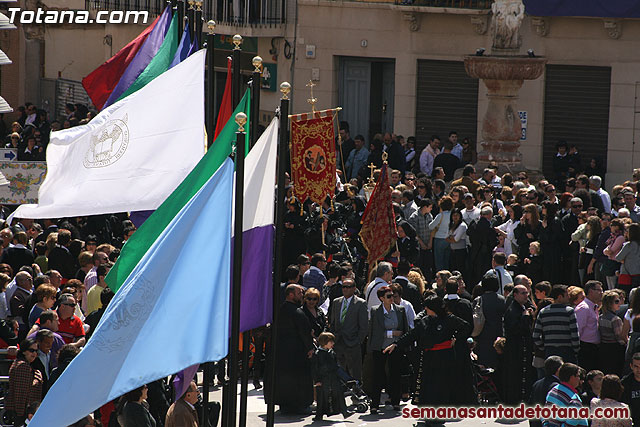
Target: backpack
x,y
478,317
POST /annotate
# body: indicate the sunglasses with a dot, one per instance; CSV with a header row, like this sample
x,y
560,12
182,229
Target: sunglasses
x,y
550,190
312,299
576,206
68,304
348,287
388,296
617,301
31,350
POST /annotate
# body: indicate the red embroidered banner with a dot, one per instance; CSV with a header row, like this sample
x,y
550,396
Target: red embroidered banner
x,y
378,231
313,155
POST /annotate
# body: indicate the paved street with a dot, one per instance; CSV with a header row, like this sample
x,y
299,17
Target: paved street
x,y
257,410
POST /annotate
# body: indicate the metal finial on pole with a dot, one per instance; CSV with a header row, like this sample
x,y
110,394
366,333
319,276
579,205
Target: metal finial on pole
x,y
285,88
237,41
211,77
241,120
256,80
236,78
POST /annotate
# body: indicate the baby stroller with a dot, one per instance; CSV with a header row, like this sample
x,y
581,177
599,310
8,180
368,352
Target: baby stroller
x,y
485,386
353,389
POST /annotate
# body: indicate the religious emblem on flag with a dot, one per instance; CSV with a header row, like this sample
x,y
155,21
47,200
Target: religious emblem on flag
x,y
108,143
313,155
378,231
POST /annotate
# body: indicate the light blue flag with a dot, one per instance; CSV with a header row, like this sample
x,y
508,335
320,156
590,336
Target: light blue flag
x,y
184,48
167,315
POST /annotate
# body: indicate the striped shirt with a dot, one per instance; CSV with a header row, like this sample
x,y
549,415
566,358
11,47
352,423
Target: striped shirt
x,y
421,224
563,396
556,326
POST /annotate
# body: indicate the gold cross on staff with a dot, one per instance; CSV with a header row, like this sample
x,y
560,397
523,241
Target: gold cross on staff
x,y
312,100
373,168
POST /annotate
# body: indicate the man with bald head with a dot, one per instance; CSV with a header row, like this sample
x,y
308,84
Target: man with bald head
x,y
294,387
518,351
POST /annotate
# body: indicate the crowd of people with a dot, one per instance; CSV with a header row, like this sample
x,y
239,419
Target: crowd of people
x,y
52,295
29,134
529,283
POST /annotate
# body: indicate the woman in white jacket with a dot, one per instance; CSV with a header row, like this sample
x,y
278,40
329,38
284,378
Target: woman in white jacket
x,y
515,213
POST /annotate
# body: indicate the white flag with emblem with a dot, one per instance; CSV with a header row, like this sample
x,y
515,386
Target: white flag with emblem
x,y
132,155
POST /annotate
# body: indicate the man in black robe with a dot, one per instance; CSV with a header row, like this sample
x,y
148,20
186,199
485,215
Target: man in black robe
x,y
294,384
463,374
518,352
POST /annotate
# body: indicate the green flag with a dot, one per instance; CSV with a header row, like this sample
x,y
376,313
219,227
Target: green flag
x,y
160,63
146,235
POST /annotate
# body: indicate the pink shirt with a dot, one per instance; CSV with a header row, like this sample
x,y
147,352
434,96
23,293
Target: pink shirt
x,y
587,318
613,249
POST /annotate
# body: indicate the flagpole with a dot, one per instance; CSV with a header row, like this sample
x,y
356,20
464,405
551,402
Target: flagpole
x,y
241,120
197,24
255,99
211,77
235,85
285,89
190,15
180,10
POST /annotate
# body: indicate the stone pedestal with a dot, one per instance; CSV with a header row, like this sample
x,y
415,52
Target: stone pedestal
x,y
501,129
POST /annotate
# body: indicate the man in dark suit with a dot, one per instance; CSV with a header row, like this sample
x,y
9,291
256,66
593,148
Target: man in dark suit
x,y
483,239
182,412
541,388
18,255
410,291
570,251
349,323
60,258
20,299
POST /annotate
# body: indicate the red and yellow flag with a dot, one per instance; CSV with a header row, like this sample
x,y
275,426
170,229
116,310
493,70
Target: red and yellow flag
x,y
378,231
313,155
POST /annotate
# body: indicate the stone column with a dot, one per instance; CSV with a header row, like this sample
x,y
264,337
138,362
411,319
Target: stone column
x,y
501,128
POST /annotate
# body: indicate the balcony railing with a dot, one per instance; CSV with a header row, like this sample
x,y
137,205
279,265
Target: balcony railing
x,y
251,13
452,4
154,7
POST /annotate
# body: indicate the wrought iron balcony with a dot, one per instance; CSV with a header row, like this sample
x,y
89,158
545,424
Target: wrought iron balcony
x,y
232,13
451,4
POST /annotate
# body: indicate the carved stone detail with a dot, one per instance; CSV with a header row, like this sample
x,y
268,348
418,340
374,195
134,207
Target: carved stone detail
x,y
541,25
613,27
413,19
480,24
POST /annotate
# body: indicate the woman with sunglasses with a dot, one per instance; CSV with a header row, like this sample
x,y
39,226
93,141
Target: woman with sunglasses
x,y
387,322
314,313
613,340
25,383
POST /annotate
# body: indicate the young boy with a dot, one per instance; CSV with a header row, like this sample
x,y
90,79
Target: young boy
x,y
325,374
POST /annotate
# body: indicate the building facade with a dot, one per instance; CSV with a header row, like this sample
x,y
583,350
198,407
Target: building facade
x,y
396,66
